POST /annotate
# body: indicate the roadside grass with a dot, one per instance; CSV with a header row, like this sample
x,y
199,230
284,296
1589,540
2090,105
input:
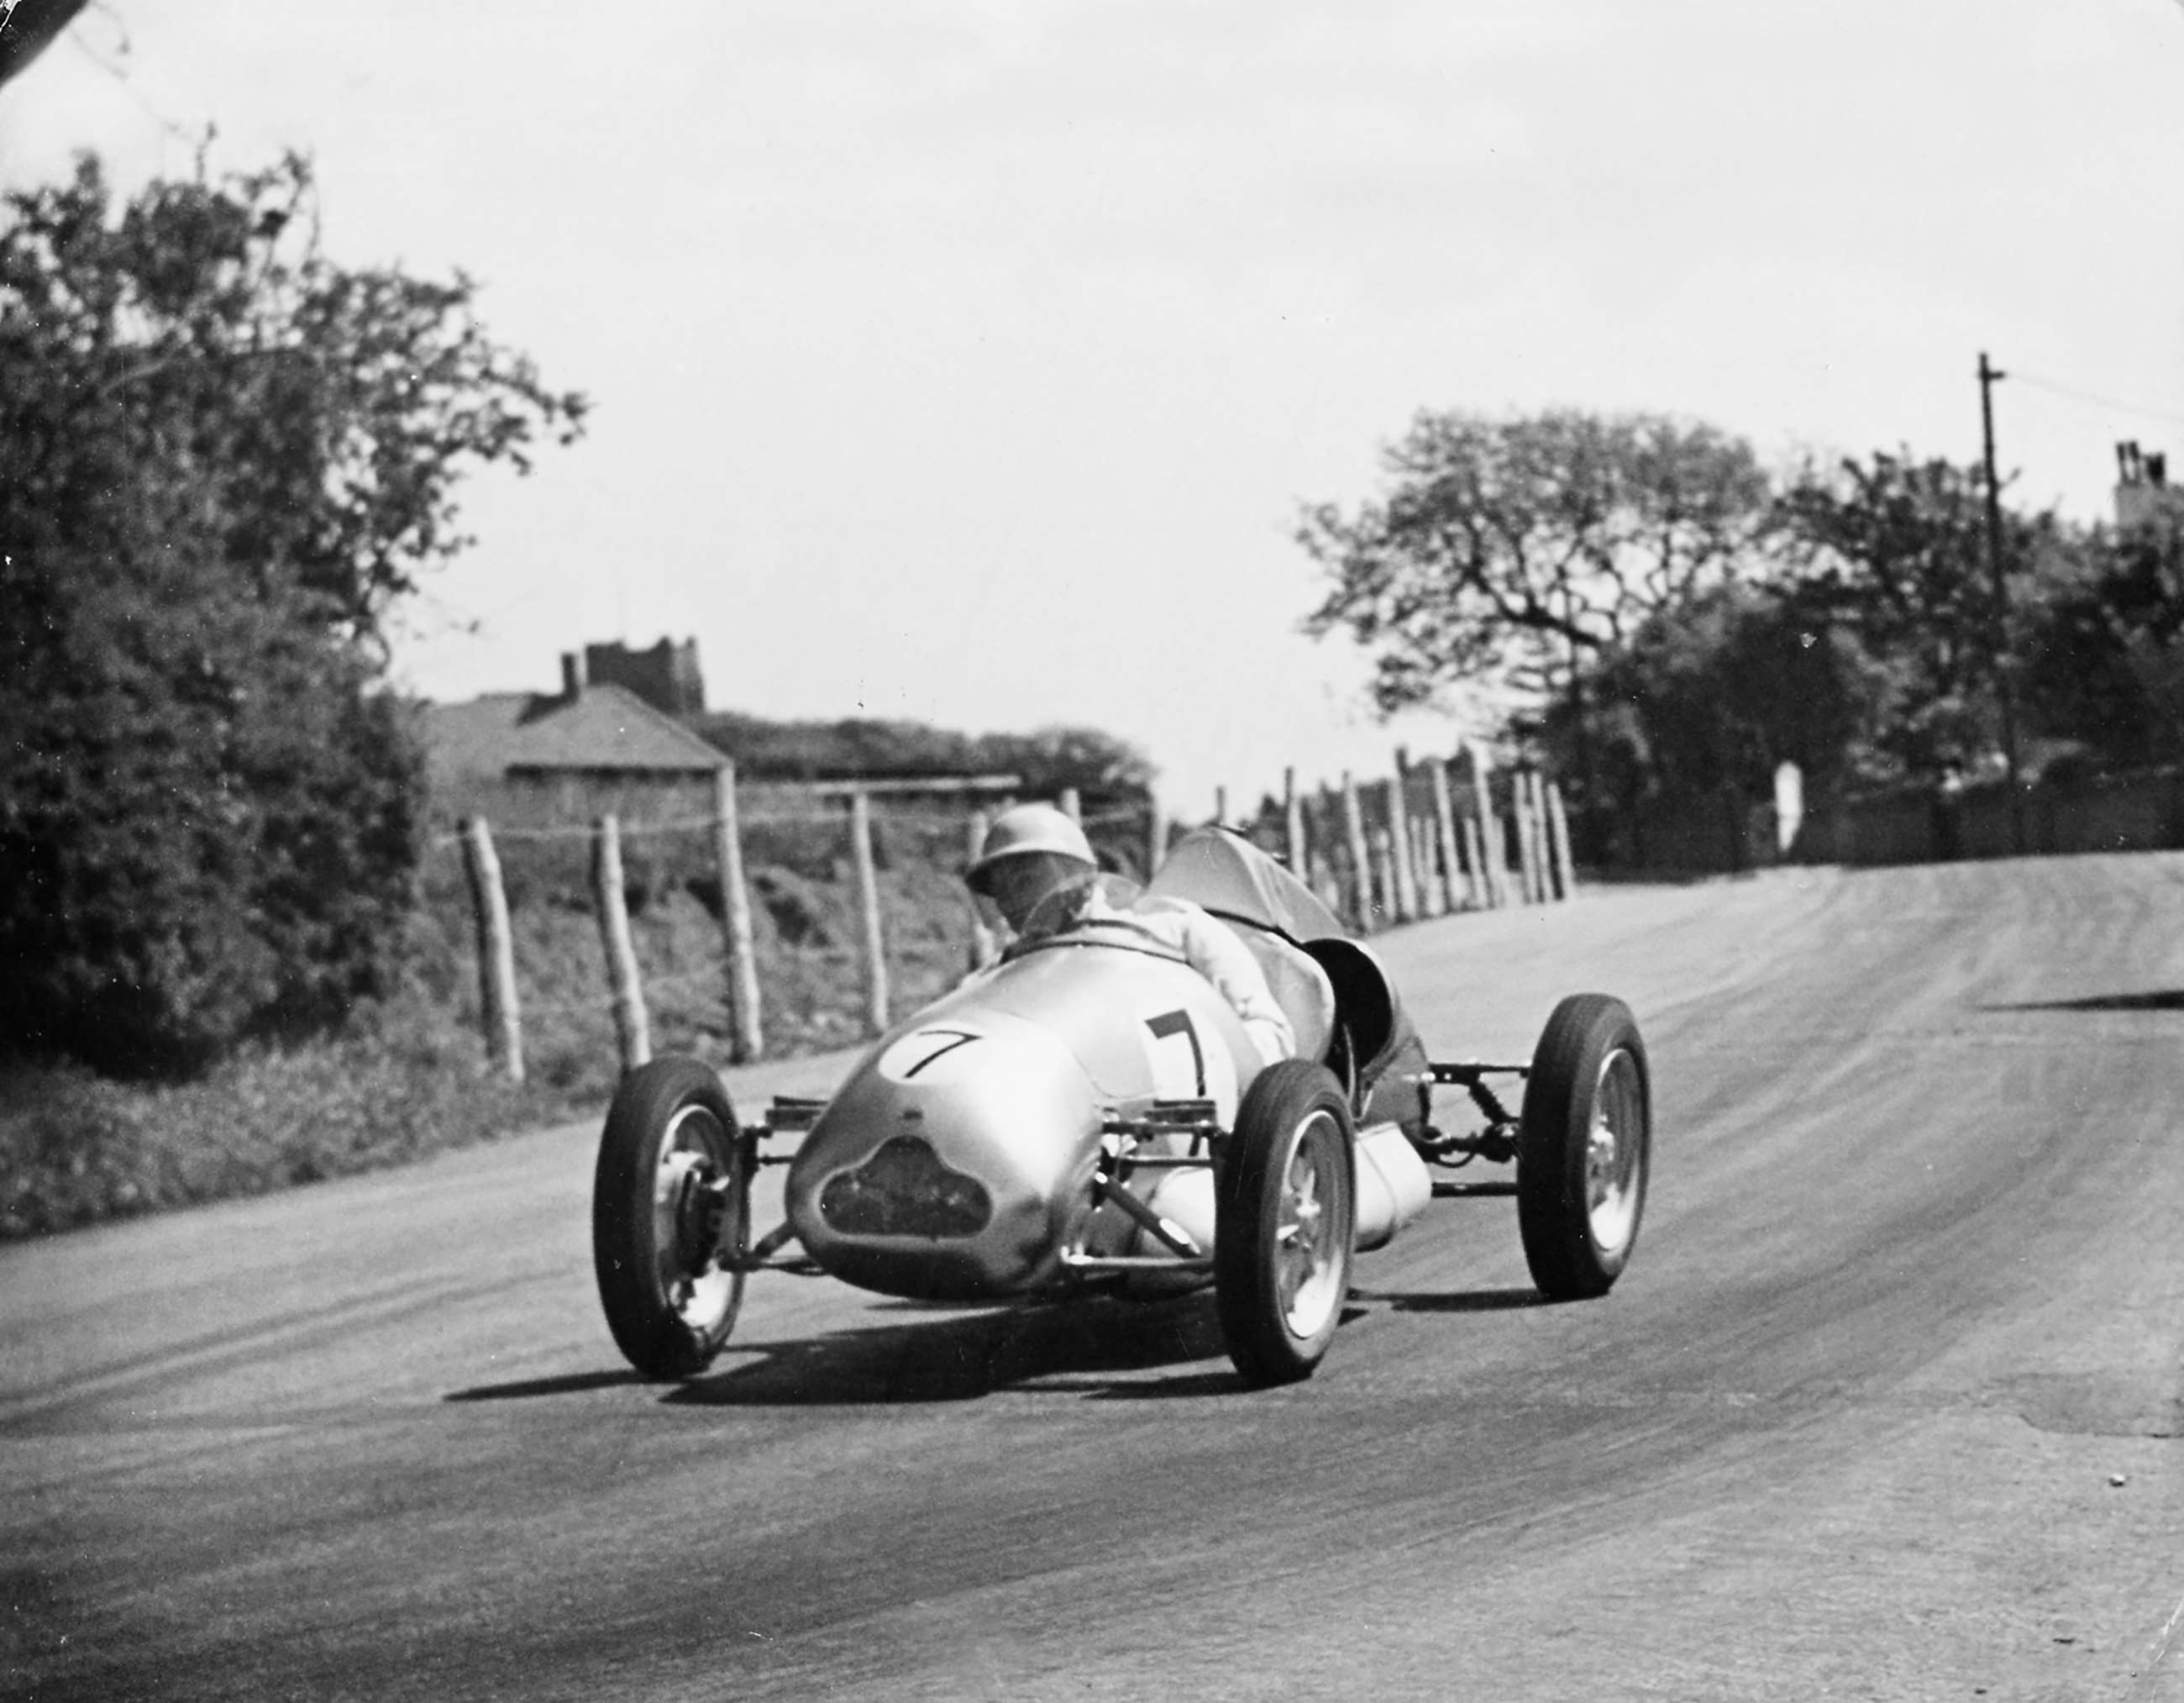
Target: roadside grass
x,y
409,1076
75,1149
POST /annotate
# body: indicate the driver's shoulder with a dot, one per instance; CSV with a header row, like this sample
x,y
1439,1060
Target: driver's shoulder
x,y
1182,922
1167,905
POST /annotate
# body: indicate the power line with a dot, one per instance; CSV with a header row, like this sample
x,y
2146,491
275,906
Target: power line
x,y
2076,395
117,63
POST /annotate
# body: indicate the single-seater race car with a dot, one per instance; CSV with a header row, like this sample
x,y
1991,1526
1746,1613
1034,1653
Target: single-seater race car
x,y
1091,1113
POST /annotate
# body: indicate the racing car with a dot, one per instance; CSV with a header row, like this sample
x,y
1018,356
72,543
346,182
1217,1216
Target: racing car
x,y
1090,1114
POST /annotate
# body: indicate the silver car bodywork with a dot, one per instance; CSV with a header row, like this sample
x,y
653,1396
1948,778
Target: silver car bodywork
x,y
958,1160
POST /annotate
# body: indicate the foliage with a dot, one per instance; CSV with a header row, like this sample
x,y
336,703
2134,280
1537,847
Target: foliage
x,y
1045,760
1717,693
227,458
1894,551
1504,549
1704,628
1052,758
2107,670
76,1148
206,822
203,360
409,1077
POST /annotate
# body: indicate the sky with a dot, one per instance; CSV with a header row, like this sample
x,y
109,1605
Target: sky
x,y
970,361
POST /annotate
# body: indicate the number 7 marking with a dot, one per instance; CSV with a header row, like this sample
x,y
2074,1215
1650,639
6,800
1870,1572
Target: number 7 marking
x,y
956,1038
1178,1023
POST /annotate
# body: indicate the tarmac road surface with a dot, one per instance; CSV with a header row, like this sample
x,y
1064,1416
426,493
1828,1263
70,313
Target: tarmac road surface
x,y
1889,1404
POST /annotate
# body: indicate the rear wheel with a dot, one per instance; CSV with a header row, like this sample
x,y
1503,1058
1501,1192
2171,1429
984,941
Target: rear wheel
x,y
671,1216
1284,1223
1584,1147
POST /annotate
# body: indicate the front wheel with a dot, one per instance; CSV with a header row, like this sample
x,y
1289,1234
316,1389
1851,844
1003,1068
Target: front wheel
x,y
1286,1222
671,1218
1583,1147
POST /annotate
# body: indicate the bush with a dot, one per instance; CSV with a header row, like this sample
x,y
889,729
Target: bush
x,y
209,824
407,1075
223,460
76,1148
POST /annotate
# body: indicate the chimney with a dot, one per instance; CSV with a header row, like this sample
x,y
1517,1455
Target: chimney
x,y
572,675
2157,469
2129,468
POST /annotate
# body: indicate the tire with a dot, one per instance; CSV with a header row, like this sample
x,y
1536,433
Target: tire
x,y
1285,1221
670,1201
1584,1147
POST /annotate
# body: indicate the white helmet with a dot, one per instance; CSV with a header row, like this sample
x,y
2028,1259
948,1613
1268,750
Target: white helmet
x,y
1026,829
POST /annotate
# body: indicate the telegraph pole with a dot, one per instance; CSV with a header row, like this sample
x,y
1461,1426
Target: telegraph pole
x,y
2004,683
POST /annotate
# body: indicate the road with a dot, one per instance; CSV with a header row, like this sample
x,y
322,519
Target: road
x,y
1889,1404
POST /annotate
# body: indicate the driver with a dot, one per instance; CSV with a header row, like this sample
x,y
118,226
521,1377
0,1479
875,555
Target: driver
x,y
1037,869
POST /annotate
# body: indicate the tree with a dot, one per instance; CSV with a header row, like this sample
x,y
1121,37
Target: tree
x,y
1051,758
225,458
1713,696
1505,551
2106,669
1893,551
1044,761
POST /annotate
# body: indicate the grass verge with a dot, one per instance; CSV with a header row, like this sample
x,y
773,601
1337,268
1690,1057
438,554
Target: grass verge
x,y
75,1149
410,1077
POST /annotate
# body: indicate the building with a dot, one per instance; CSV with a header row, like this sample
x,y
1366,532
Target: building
x,y
666,677
2144,495
530,759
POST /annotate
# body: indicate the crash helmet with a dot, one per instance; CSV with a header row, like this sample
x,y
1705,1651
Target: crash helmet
x,y
1025,830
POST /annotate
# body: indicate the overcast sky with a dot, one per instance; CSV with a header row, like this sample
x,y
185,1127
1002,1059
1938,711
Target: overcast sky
x,y
968,361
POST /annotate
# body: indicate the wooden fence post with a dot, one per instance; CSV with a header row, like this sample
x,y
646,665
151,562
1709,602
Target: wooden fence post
x,y
1322,883
1535,810
1475,858
496,1006
1220,806
1155,837
632,1032
1519,806
1522,889
1528,841
1321,859
868,905
1384,868
1327,846
1433,893
1293,826
1559,844
985,948
1443,822
1071,805
1491,838
1361,862
1399,834
747,1040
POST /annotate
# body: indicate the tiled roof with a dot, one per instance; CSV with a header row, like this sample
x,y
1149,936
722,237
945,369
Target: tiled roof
x,y
603,728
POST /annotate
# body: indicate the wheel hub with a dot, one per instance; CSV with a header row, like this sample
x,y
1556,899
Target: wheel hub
x,y
692,1202
696,1207
1613,1152
1309,1278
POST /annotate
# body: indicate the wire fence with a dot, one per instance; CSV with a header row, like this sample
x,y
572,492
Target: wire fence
x,y
811,923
